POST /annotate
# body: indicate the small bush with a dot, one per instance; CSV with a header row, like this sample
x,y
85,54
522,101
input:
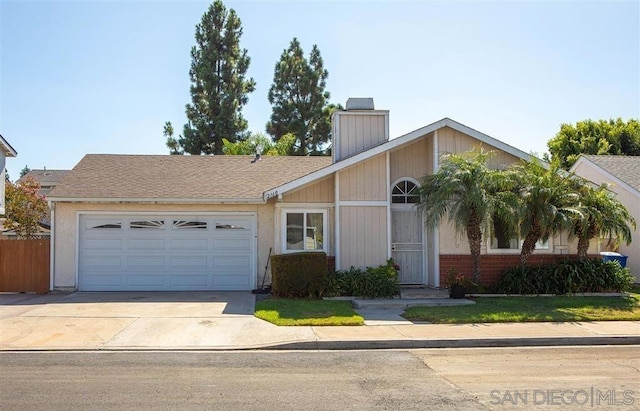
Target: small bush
x,y
568,276
299,275
378,282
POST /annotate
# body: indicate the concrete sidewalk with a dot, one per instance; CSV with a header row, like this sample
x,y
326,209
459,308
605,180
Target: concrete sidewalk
x,y
225,321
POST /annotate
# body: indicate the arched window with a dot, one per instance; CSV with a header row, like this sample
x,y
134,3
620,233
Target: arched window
x,y
405,192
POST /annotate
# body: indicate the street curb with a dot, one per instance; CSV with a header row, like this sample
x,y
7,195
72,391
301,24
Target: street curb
x,y
371,345
457,343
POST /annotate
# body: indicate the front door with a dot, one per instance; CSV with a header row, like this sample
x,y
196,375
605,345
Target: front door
x,y
407,248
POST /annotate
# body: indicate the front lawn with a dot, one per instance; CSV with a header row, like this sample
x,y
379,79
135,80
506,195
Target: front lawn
x,y
307,312
530,309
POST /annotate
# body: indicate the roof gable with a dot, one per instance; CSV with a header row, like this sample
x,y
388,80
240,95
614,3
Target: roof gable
x,y
394,143
625,169
166,178
6,148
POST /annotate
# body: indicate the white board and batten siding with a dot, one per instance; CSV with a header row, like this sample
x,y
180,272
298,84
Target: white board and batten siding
x,y
165,252
357,131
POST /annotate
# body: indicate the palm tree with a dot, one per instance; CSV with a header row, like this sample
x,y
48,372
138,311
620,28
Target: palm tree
x,y
601,215
548,202
463,187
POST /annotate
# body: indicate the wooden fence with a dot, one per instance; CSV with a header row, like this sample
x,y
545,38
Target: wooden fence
x,y
24,266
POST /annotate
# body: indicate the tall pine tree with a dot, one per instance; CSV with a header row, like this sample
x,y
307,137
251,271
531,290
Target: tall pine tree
x,y
299,100
219,88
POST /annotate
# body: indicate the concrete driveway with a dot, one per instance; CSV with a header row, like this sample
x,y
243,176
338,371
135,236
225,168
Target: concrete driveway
x,y
137,320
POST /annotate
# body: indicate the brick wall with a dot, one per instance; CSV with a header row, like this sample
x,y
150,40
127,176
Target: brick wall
x,y
491,265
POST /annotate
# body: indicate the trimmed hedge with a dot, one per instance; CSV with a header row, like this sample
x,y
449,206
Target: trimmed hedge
x,y
565,277
378,282
298,275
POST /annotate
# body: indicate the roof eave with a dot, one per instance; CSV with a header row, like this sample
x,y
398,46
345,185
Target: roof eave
x,y
157,200
390,145
6,148
585,159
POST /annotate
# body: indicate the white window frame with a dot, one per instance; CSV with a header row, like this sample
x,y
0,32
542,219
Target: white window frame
x,y
540,247
304,211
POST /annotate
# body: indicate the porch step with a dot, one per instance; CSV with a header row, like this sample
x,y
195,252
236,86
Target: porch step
x,y
422,293
402,303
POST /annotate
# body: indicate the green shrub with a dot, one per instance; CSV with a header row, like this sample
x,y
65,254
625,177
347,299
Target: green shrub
x,y
378,282
565,277
298,275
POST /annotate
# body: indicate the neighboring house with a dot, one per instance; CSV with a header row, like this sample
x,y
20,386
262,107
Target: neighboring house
x,y
47,179
622,173
5,151
160,222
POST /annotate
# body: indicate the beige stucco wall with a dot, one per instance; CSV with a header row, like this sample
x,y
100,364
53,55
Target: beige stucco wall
x,y
365,181
66,232
631,200
363,236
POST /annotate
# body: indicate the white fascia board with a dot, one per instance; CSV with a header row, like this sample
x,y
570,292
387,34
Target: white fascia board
x,y
6,148
583,160
392,144
159,200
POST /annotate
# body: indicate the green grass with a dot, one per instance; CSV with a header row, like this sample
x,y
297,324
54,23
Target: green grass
x,y
307,312
530,309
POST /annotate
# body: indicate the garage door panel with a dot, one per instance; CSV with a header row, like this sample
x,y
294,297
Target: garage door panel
x,y
106,281
137,280
231,244
102,244
145,261
189,280
146,244
102,262
189,244
166,252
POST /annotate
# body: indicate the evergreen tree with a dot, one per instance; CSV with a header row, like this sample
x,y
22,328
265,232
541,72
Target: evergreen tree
x,y
24,171
299,100
219,88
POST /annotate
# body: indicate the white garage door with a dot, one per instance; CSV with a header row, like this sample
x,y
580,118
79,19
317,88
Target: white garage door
x,y
166,252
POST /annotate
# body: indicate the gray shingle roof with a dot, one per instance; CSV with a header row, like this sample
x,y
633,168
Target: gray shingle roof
x,y
184,178
626,168
46,177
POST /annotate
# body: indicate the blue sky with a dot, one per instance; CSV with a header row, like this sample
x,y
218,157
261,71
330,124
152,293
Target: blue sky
x,y
80,77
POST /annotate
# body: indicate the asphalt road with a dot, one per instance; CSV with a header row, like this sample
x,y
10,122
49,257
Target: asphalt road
x,y
445,379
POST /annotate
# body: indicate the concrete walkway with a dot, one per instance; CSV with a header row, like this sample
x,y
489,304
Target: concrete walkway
x,y
225,321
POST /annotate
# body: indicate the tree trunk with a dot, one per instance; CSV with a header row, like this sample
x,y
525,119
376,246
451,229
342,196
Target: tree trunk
x,y
474,236
529,244
583,247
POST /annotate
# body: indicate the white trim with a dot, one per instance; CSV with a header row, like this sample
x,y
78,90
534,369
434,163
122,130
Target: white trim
x,y
389,228
363,203
159,200
336,237
52,242
436,229
583,159
6,148
391,144
304,211
305,205
169,212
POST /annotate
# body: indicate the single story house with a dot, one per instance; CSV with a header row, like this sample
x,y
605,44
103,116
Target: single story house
x,y
5,151
161,222
622,173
